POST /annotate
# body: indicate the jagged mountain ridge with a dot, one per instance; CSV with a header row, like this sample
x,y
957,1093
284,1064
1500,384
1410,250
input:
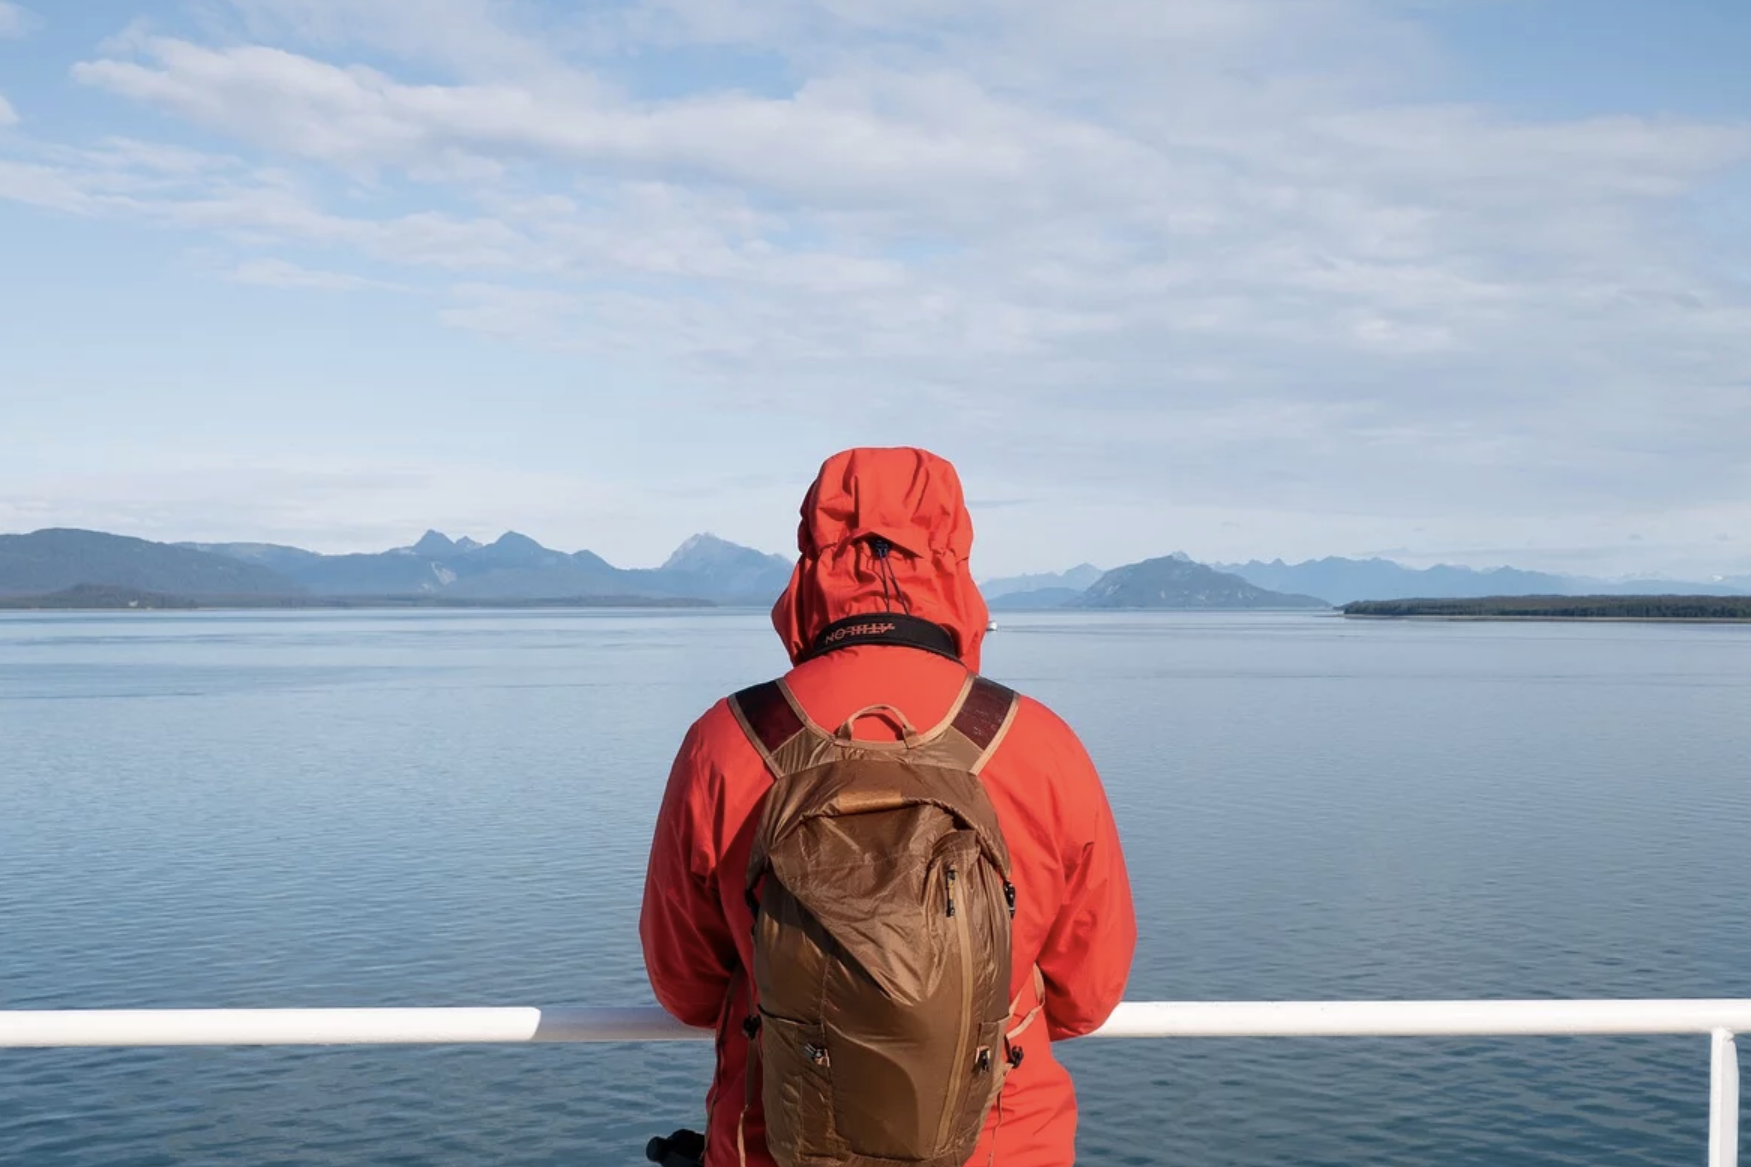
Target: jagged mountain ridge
x,y
704,567
514,566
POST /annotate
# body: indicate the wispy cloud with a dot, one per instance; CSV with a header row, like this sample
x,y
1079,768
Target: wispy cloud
x,y
16,21
278,273
1223,252
323,506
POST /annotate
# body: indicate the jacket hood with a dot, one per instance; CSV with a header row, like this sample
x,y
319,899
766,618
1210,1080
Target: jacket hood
x,y
912,499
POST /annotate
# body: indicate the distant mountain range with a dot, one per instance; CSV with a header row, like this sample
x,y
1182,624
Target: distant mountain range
x,y
516,569
1342,581
1034,601
1075,580
1336,581
58,559
1174,581
1170,582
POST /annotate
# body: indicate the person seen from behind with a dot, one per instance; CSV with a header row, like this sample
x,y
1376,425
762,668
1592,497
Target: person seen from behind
x,y
887,882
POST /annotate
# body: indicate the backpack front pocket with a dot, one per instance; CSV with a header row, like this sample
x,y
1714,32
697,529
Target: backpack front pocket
x,y
796,1091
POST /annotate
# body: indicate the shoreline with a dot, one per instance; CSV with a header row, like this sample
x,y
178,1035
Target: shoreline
x,y
1506,619
373,604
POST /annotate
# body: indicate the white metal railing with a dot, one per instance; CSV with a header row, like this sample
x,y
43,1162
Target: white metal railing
x,y
1720,1019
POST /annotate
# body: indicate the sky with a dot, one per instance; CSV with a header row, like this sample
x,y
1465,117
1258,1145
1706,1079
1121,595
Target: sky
x,y
1455,281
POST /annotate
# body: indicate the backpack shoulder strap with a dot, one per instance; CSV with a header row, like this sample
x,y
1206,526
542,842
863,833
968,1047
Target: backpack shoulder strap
x,y
980,721
975,726
986,713
768,714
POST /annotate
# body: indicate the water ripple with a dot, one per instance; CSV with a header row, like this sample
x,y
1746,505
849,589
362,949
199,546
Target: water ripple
x,y
450,808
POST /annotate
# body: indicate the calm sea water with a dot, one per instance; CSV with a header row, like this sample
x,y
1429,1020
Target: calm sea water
x,y
388,809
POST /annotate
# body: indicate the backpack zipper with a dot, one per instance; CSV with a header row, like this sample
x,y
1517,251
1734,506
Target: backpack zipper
x,y
965,941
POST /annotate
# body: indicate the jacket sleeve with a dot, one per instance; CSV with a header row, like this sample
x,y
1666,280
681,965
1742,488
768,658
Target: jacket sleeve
x,y
1086,959
689,952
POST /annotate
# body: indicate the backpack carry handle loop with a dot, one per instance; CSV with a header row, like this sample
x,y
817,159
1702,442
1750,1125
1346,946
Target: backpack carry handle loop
x,y
899,718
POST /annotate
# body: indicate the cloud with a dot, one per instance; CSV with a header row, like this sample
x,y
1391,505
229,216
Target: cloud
x,y
8,115
278,273
511,313
824,143
468,37
16,22
1213,251
130,155
49,187
324,505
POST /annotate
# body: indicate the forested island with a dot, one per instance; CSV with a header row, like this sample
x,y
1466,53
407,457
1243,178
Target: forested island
x,y
1734,608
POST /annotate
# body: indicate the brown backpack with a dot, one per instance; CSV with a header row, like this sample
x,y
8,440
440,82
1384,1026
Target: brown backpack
x,y
879,883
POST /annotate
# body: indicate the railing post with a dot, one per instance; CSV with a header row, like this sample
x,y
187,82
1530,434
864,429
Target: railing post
x,y
1723,1100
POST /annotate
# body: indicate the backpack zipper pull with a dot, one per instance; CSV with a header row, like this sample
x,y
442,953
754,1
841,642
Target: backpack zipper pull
x,y
951,889
1009,897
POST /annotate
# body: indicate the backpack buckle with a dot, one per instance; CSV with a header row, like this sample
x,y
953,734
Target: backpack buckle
x,y
751,1026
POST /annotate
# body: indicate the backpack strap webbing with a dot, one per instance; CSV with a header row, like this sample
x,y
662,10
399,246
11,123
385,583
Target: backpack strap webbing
x,y
971,731
986,713
767,716
1023,1020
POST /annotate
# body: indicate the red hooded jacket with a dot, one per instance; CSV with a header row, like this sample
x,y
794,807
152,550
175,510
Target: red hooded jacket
x,y
1074,915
